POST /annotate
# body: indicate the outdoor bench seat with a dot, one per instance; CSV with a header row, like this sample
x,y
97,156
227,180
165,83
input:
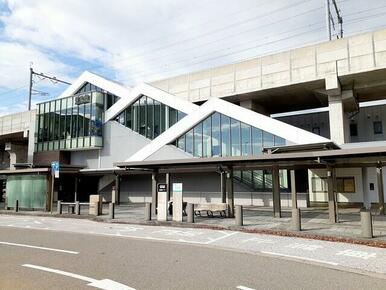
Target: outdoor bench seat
x,y
210,208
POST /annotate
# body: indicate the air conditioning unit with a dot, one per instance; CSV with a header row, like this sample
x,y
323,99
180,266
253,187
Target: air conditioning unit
x,y
8,146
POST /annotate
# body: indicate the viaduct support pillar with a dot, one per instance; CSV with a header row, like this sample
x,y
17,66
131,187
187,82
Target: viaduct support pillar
x,y
381,196
276,192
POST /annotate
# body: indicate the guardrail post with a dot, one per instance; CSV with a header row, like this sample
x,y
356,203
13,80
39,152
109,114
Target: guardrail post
x,y
16,205
59,207
296,224
77,208
366,224
239,215
111,210
190,212
148,211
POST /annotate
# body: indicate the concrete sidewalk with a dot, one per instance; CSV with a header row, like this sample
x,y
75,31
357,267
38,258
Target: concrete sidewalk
x,y
314,220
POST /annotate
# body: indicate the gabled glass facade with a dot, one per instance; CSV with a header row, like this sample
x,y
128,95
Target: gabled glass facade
x,y
149,117
73,122
220,135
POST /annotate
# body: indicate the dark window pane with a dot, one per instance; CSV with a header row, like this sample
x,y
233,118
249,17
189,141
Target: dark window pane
x,y
172,116
157,118
180,115
150,118
353,129
163,118
378,127
142,116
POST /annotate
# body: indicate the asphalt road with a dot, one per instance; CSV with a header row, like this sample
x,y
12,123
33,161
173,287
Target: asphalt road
x,y
51,259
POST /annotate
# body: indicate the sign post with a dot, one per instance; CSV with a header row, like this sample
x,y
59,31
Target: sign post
x,y
162,210
54,174
177,202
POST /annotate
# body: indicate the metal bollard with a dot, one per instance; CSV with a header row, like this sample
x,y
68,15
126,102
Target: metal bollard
x,y
239,215
296,221
77,208
148,211
111,210
16,205
190,212
366,224
59,207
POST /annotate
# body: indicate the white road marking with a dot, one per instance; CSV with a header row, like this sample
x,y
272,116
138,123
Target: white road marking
x,y
357,254
258,241
106,284
304,247
299,257
244,288
39,248
220,238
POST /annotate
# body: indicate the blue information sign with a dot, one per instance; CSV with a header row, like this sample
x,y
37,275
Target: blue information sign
x,y
55,168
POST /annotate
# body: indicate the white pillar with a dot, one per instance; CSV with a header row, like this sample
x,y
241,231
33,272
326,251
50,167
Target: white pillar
x,y
338,120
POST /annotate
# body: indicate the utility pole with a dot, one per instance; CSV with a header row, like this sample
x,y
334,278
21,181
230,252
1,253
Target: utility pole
x,y
42,76
330,19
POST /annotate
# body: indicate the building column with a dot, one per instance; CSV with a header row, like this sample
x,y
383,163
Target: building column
x,y
381,197
76,189
154,196
223,187
332,205
294,194
117,189
167,181
229,191
337,119
366,197
276,192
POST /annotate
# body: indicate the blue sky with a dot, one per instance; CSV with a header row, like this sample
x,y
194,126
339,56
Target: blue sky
x,y
143,40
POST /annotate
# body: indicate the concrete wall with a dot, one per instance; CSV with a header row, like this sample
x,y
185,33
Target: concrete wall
x,y
120,143
197,188
18,122
364,119
355,54
358,196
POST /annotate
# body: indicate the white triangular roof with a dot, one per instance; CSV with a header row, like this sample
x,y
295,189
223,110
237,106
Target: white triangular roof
x,y
278,128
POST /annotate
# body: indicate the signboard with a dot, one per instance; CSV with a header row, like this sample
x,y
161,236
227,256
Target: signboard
x,y
82,99
162,187
177,187
55,168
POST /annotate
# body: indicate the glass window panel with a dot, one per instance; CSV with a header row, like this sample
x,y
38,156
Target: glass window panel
x,y
74,127
206,137
163,118
258,179
142,116
267,140
256,141
283,178
225,136
135,116
172,116
157,118
247,177
180,115
267,179
216,136
150,118
235,137
181,142
87,118
246,139
279,141
189,142
197,135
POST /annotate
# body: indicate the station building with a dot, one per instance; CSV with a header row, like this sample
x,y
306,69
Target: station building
x,y
303,127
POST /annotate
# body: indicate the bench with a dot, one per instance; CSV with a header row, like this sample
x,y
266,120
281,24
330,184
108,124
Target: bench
x,y
211,208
